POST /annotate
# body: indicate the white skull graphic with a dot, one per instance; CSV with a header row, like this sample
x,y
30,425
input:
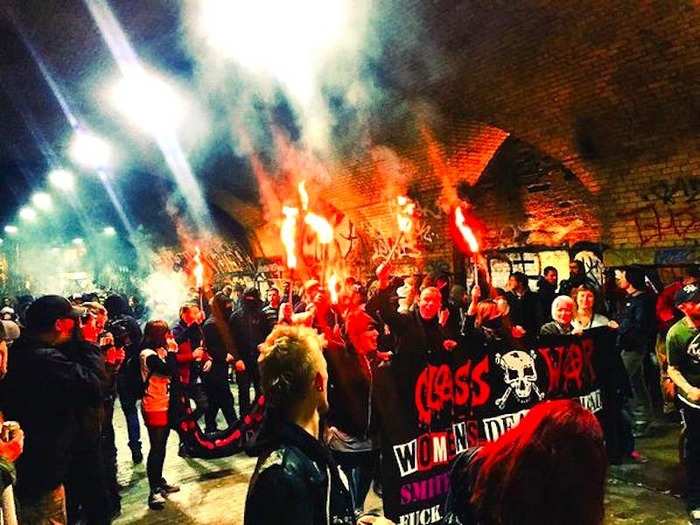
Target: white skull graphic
x,y
520,375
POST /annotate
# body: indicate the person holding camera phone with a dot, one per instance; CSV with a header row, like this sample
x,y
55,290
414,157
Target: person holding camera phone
x,y
111,343
44,390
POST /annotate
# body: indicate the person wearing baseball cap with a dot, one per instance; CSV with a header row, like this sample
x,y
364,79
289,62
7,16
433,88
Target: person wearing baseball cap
x,y
683,347
45,389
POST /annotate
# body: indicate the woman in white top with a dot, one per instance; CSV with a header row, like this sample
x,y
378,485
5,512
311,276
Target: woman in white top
x,y
585,298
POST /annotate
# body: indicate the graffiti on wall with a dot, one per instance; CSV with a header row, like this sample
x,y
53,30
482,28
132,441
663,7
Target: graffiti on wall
x,y
681,190
657,222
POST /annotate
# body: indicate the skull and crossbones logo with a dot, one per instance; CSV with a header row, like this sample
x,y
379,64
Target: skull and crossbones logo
x,y
520,375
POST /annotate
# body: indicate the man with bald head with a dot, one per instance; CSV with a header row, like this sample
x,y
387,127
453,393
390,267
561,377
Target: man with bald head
x,y
417,331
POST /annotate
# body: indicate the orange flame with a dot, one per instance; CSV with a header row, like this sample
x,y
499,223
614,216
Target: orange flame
x,y
321,226
303,195
198,268
288,234
404,217
465,230
333,288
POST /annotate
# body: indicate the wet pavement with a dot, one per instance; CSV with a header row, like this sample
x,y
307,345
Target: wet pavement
x,y
213,491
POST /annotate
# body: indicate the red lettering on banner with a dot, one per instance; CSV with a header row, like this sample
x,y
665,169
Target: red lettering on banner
x,y
569,367
552,358
436,387
480,387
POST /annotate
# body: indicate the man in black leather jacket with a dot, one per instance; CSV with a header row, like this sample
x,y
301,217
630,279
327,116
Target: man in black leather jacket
x,y
296,481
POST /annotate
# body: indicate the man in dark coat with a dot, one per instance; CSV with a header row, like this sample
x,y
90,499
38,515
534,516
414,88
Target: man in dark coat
x,y
45,390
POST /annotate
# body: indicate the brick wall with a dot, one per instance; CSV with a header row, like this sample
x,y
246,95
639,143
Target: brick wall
x,y
562,121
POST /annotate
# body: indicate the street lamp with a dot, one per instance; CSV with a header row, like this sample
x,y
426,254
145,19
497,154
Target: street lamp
x,y
78,241
62,179
109,231
43,201
147,100
11,229
28,213
90,151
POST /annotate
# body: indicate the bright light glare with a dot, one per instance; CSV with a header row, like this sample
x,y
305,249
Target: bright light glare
x,y
148,101
11,229
281,38
109,231
42,201
62,180
90,151
27,213
78,241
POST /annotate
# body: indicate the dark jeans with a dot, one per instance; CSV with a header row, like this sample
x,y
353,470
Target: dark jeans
x,y
109,457
251,377
158,437
131,414
359,468
86,492
637,364
220,398
49,508
691,417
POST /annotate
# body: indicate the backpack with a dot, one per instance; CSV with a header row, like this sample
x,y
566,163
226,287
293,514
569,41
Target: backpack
x,y
132,376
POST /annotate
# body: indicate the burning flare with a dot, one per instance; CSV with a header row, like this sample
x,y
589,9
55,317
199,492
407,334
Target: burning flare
x,y
404,217
465,230
198,268
333,288
321,226
303,195
289,233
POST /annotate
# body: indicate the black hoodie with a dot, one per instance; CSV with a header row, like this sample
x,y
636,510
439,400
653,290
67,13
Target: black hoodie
x,y
296,481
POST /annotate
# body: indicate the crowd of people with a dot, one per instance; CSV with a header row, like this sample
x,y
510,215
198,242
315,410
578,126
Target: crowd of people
x,y
64,364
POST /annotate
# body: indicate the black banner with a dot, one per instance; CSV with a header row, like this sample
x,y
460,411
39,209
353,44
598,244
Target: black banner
x,y
430,412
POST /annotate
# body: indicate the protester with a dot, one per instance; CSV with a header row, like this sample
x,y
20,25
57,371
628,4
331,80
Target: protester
x,y
683,345
92,492
586,316
296,479
311,287
350,422
69,383
118,311
272,307
577,277
525,309
192,361
112,349
549,469
158,367
249,328
547,290
562,315
418,331
221,349
636,342
667,315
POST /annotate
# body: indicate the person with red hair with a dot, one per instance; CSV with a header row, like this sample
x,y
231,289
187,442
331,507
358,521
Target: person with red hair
x,y
548,470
